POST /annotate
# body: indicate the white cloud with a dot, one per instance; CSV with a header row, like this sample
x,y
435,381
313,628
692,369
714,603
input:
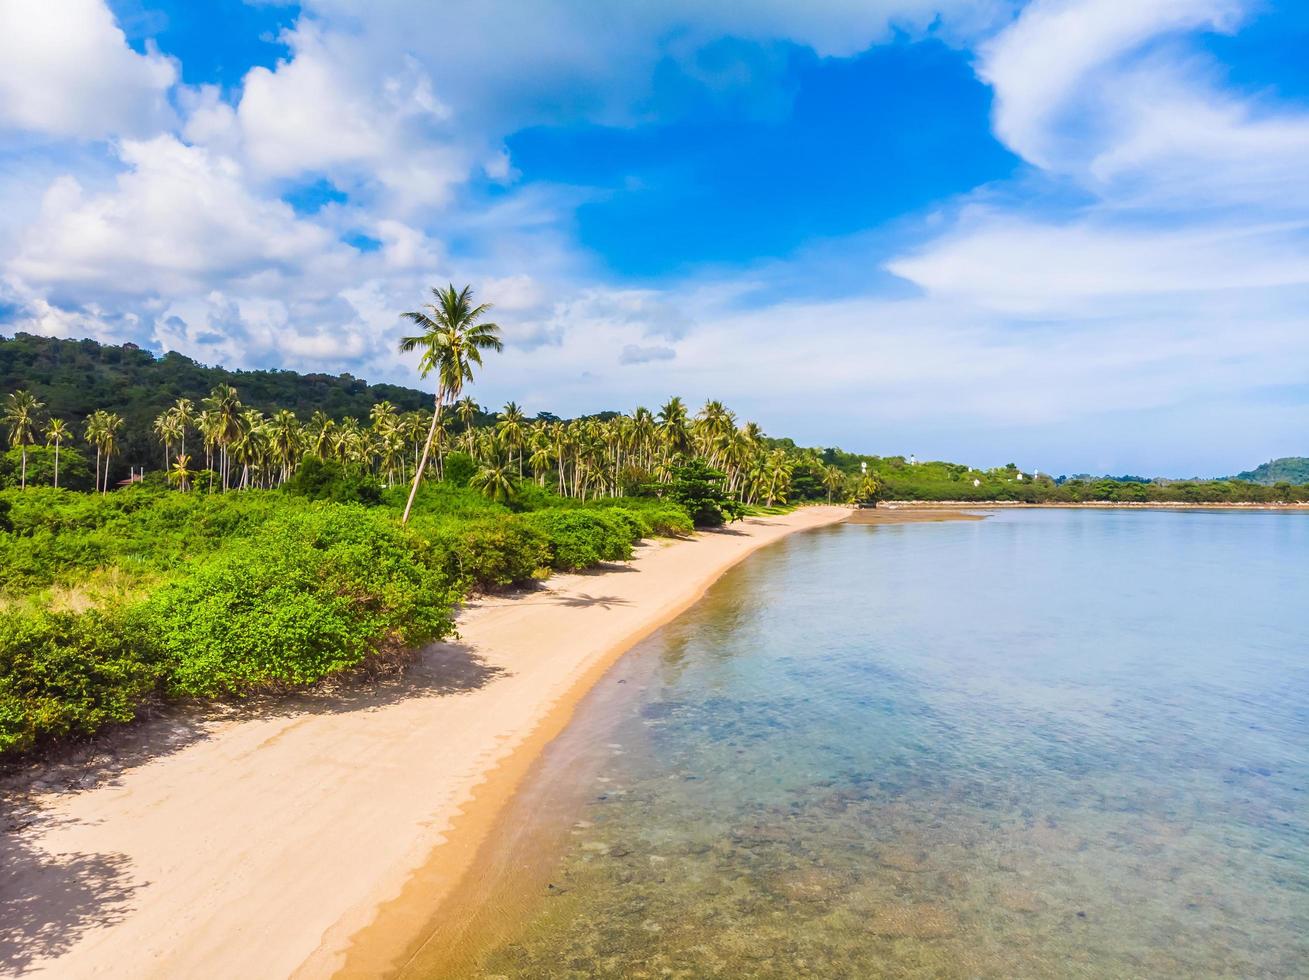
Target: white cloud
x,y
66,70
1176,280
179,218
1042,67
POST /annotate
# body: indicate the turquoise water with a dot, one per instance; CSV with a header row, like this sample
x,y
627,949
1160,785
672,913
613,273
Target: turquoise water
x,y
1048,744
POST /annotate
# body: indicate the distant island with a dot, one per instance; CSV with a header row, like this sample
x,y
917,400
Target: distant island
x,y
1288,470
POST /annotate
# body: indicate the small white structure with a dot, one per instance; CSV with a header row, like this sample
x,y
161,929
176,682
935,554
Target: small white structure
x,y
863,467
1020,477
913,460
976,482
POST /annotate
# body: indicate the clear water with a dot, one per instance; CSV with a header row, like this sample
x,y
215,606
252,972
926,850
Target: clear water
x,y
1049,744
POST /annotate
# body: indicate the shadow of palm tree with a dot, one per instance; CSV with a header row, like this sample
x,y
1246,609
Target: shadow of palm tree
x,y
583,601
49,901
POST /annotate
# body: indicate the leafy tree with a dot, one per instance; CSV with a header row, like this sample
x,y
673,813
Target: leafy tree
x,y
698,487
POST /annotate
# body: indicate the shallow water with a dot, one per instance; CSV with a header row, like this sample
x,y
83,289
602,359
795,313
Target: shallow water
x,y
1049,744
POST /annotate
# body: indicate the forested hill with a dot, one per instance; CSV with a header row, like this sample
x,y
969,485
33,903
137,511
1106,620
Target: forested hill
x,y
1288,469
76,377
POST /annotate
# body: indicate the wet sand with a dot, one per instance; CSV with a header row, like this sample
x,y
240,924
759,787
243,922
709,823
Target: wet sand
x,y
262,845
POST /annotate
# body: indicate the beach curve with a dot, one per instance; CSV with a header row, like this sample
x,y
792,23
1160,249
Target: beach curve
x,y
263,847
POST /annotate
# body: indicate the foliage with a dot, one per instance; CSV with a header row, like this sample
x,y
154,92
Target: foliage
x,y
698,488
581,538
319,479
1288,469
74,473
315,593
64,674
492,553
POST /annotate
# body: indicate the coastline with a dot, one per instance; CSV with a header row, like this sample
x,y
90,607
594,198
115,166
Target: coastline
x,y
929,505
261,845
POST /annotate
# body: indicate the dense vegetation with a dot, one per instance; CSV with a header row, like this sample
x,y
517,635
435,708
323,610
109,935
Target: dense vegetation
x,y
75,378
1288,469
113,600
280,529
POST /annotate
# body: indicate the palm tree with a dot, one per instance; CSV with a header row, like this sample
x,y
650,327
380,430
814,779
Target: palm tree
x,y
102,432
451,343
20,415
512,432
183,412
467,412
833,480
284,440
496,481
225,418
166,428
181,472
112,423
56,431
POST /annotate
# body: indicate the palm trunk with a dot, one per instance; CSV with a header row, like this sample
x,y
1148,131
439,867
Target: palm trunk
x,y
24,484
56,465
422,463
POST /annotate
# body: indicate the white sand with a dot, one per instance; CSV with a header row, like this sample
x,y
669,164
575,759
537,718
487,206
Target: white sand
x,y
260,848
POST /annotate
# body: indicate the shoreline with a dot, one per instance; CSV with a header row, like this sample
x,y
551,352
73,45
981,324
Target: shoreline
x,y
260,846
1079,505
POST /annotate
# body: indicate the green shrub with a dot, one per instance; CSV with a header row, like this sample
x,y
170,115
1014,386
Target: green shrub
x,y
315,593
65,674
581,538
320,479
496,552
669,520
636,525
458,468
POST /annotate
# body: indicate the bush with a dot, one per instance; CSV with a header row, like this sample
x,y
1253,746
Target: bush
x,y
65,674
316,593
496,552
458,468
581,538
320,479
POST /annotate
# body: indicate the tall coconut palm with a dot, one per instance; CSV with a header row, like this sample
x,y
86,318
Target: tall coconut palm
x,y
21,409
284,440
467,412
102,432
56,431
225,418
183,412
512,431
451,344
166,429
833,480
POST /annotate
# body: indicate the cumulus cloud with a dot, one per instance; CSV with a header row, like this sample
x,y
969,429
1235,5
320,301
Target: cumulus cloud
x,y
1152,257
177,219
66,70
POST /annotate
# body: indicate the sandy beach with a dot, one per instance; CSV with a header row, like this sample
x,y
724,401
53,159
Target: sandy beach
x,y
256,845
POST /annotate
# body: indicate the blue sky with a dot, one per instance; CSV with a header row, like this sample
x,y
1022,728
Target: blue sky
x,y
1073,234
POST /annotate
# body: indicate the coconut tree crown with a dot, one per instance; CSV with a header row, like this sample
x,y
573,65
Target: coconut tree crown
x,y
453,338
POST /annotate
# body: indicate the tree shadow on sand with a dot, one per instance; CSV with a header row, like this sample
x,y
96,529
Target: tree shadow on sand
x,y
437,670
49,901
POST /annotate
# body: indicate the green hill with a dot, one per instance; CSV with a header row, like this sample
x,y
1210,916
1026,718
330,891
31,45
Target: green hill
x,y
1288,469
76,377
